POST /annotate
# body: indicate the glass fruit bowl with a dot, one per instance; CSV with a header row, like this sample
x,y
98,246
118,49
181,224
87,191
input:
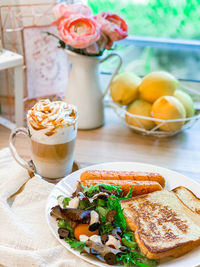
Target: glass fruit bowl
x,y
130,119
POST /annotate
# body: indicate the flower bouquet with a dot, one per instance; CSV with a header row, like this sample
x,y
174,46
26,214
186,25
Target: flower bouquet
x,y
85,34
84,38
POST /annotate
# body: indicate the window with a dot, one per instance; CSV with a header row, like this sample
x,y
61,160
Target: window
x,y
163,34
156,18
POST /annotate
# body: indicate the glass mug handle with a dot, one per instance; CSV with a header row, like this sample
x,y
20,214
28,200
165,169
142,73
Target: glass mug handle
x,y
116,69
20,161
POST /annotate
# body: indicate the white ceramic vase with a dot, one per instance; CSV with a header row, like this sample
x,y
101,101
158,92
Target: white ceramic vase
x,y
84,89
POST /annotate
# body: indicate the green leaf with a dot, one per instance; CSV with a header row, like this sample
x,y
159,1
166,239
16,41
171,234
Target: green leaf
x,y
113,203
129,243
100,202
62,223
142,259
129,236
101,211
75,244
84,204
106,228
142,264
132,257
66,201
129,193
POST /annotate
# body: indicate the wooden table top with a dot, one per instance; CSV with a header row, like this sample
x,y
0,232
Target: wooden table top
x,y
116,142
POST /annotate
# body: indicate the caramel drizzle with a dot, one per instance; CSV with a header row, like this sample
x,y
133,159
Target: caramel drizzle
x,y
45,112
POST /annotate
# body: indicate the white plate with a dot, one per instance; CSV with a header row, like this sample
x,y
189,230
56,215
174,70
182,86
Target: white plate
x,y
173,179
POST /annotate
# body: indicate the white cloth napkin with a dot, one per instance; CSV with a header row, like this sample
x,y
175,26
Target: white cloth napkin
x,y
25,238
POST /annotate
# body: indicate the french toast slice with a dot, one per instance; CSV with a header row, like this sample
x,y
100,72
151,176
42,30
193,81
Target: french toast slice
x,y
163,225
188,198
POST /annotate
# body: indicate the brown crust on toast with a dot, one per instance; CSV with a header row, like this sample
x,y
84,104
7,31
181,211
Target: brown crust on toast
x,y
139,187
177,251
122,175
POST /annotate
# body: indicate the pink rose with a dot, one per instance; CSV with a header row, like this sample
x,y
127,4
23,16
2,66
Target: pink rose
x,y
113,26
63,11
79,31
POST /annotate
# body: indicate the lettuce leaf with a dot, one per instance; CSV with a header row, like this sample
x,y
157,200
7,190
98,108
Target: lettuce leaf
x,y
113,204
97,189
75,244
133,257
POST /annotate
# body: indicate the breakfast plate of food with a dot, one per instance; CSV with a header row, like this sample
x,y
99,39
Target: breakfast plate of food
x,y
128,214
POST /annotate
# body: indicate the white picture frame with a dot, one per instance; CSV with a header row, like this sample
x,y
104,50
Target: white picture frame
x,y
46,64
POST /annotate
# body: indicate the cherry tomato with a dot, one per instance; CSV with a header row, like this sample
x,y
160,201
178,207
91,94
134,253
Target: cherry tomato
x,y
83,229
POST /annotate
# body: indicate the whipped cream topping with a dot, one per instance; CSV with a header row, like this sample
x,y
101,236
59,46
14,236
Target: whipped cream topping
x,y
51,115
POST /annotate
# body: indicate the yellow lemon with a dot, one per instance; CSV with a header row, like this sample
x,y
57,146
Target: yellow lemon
x,y
187,102
168,108
142,108
124,88
157,84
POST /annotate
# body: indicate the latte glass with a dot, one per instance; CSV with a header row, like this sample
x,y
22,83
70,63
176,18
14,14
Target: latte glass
x,y
52,129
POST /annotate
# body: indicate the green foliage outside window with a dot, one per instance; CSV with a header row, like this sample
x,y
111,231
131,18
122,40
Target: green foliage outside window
x,y
156,18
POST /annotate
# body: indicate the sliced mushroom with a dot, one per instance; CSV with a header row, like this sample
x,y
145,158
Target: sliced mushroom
x,y
57,212
109,254
79,188
117,231
100,195
94,252
63,233
71,214
113,242
110,215
82,216
103,189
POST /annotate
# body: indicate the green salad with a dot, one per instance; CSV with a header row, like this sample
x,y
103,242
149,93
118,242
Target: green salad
x,y
92,221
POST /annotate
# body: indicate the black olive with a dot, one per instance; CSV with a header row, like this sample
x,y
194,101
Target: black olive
x,y
93,227
63,233
110,258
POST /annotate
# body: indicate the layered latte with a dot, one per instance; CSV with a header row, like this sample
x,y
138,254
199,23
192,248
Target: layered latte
x,y
53,129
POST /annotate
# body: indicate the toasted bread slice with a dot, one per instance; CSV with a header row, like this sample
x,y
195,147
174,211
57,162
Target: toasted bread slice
x,y
163,225
188,198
